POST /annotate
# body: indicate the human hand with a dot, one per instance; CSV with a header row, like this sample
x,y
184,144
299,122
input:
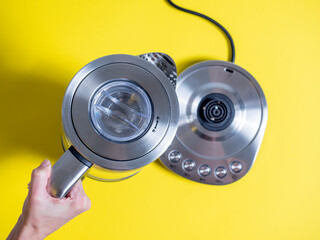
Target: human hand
x,y
43,214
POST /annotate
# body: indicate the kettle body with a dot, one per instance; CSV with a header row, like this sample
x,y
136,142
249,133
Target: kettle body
x,y
119,113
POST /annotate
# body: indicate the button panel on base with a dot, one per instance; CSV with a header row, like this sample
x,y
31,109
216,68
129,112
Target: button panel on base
x,y
204,170
189,165
220,172
174,156
236,166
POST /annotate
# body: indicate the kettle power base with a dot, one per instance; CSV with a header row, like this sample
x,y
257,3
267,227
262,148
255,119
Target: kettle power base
x,y
223,116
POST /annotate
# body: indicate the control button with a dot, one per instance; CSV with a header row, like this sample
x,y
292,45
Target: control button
x,y
236,167
175,156
204,170
221,172
189,165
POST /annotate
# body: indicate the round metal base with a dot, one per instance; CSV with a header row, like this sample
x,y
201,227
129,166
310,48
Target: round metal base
x,y
223,116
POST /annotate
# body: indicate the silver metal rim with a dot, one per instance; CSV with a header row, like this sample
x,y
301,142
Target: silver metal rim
x,y
115,150
72,135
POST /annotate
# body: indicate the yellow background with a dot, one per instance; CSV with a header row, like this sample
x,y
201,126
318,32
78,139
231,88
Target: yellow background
x,y
44,43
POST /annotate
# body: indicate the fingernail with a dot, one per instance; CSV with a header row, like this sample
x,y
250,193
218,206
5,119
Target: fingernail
x,y
45,163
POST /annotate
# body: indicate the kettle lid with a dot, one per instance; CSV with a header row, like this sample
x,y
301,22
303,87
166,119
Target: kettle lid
x,y
120,112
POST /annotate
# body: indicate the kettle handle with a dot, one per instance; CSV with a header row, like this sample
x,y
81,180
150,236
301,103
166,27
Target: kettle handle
x,y
70,167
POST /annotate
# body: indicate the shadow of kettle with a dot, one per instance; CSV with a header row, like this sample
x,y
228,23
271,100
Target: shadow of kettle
x,y
183,65
31,114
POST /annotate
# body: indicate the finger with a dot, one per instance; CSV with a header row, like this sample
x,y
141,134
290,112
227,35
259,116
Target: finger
x,y
79,199
39,179
77,191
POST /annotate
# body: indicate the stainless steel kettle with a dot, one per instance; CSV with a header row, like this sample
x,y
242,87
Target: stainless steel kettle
x,y
119,113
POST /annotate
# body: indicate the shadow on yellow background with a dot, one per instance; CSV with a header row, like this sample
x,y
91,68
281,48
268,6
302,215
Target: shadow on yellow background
x,y
31,113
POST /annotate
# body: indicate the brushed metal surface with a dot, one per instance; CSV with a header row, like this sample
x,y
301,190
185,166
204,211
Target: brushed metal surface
x,y
165,63
65,173
111,156
102,146
238,142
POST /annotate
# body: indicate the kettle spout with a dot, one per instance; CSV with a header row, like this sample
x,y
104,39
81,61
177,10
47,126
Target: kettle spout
x,y
164,62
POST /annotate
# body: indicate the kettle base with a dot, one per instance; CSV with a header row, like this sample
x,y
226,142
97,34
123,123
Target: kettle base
x,y
223,116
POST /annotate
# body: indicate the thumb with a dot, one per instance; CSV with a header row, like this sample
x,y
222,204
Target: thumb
x,y
39,178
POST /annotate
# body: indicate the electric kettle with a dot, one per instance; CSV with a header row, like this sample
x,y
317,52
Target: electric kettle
x,y
119,113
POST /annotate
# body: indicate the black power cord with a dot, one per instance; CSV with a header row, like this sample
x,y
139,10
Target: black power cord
x,y
210,20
